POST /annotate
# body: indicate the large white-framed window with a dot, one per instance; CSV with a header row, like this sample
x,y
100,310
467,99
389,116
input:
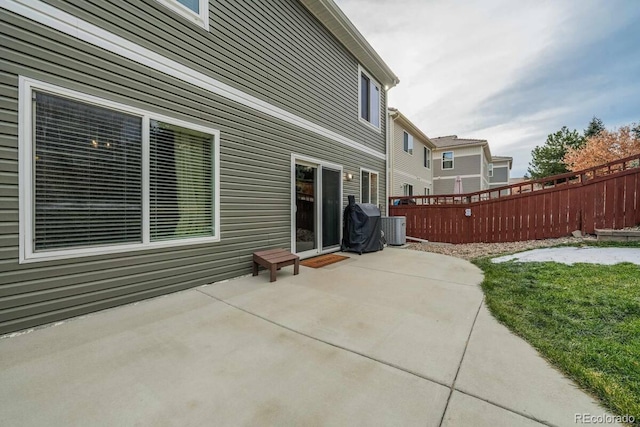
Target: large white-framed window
x,y
426,161
369,99
369,183
196,11
407,142
99,177
490,170
407,189
447,160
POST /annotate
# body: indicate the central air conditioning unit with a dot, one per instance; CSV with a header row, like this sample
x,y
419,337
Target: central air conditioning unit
x,y
394,229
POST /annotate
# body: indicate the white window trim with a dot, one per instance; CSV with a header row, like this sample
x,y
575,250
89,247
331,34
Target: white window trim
x,y
405,187
453,157
410,143
490,170
428,157
26,176
377,188
375,82
201,19
320,164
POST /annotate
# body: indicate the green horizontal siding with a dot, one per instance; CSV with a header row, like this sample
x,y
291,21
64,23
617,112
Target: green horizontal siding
x,y
274,50
255,181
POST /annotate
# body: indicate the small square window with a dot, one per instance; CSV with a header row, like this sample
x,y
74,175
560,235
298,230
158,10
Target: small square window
x,y
447,160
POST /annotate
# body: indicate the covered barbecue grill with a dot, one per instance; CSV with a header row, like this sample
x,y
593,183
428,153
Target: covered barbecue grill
x,y
361,222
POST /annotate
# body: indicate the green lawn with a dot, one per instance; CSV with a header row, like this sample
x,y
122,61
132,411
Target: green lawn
x,y
585,319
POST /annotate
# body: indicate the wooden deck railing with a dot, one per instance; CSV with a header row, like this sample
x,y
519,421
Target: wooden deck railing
x,y
604,196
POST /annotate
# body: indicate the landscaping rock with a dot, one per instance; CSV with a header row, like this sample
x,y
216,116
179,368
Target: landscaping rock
x,y
471,251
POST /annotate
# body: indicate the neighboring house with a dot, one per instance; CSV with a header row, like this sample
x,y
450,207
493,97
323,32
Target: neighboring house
x,y
152,146
457,157
499,171
410,158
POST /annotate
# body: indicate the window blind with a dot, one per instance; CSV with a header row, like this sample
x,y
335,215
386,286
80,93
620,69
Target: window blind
x,y
181,182
364,197
87,174
374,189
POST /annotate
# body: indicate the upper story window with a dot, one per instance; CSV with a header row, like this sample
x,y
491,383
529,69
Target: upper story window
x,y
196,11
447,160
490,169
100,177
408,143
369,100
427,157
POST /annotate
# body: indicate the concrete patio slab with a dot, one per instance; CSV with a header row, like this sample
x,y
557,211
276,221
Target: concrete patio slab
x,y
409,321
189,360
391,338
505,370
464,410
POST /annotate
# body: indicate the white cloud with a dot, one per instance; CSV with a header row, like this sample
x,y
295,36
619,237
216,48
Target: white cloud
x,y
454,56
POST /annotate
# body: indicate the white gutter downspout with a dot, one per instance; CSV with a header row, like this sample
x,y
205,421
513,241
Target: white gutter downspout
x,y
390,126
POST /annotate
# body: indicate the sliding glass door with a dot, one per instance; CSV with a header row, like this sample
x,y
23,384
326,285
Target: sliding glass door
x,y
306,208
318,208
331,208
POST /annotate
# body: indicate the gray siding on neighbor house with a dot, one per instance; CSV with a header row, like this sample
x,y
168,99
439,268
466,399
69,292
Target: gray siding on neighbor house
x,y
255,149
500,174
274,50
463,165
408,168
445,186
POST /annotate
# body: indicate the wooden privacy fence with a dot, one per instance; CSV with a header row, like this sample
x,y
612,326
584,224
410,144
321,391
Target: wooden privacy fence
x,y
605,196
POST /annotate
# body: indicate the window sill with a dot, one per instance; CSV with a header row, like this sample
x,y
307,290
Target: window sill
x,y
201,19
112,249
369,124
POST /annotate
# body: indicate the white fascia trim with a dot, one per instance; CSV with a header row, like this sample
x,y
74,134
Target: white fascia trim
x,y
26,176
201,19
66,23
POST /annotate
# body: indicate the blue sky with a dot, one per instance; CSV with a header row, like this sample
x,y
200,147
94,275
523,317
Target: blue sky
x,y
511,72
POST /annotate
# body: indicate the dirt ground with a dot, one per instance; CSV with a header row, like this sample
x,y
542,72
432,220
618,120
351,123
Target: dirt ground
x,y
471,251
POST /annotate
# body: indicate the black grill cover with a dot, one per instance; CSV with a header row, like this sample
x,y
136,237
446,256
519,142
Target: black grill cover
x,y
361,222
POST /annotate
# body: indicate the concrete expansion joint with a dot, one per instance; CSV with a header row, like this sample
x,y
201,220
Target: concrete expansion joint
x,y
453,384
391,365
464,352
451,387
420,277
497,405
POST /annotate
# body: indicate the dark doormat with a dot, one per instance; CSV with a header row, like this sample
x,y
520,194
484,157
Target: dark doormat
x,y
322,260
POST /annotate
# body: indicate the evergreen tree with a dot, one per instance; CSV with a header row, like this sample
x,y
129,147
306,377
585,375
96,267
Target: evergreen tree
x,y
635,130
596,126
548,159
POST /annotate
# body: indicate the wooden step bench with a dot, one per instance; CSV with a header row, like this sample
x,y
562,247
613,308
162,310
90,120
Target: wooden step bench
x,y
275,259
